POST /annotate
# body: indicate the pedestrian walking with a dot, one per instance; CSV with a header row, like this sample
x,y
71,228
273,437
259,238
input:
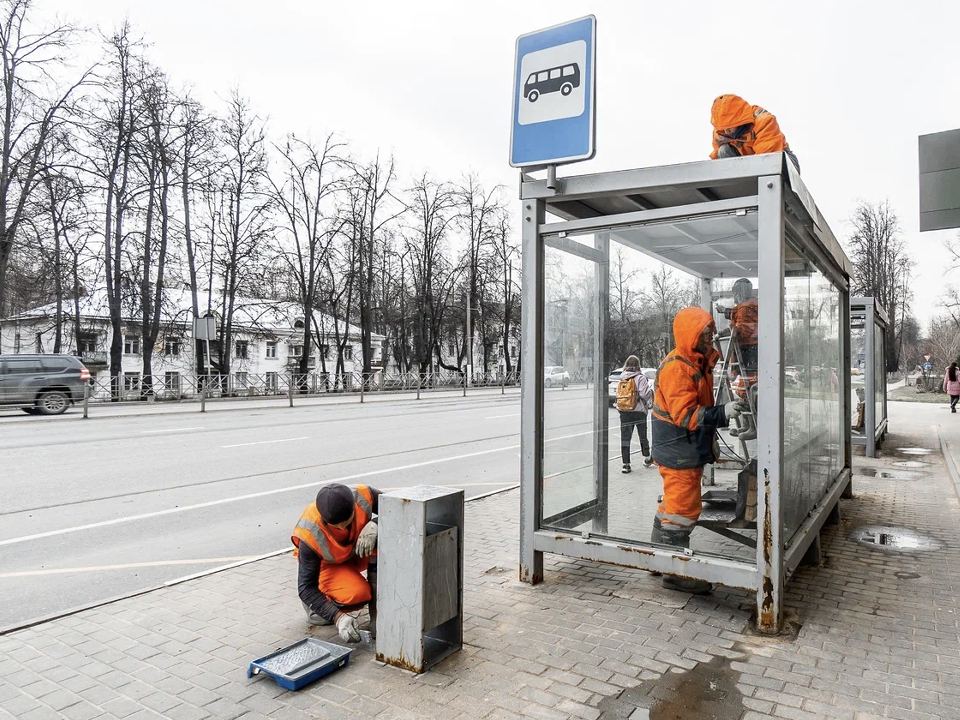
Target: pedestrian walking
x,y
634,398
951,385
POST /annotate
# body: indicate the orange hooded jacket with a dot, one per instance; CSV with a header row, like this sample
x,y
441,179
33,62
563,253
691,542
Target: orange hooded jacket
x,y
684,416
764,135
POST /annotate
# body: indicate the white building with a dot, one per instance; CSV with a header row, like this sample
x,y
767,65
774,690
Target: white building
x,y
266,343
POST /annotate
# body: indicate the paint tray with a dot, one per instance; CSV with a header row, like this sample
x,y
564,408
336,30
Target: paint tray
x,y
302,663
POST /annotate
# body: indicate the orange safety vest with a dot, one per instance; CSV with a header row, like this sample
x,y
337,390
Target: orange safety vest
x,y
333,545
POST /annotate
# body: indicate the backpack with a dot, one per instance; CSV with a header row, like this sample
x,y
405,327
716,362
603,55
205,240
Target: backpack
x,y
627,395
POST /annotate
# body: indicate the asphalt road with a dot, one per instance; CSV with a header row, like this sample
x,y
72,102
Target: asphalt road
x,y
92,509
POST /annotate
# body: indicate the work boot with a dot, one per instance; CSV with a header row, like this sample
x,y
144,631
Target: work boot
x,y
626,468
648,461
679,538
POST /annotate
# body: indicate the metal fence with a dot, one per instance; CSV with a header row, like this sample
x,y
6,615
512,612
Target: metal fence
x,y
179,387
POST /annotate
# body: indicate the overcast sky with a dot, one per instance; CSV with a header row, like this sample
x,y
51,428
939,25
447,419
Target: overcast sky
x,y
852,83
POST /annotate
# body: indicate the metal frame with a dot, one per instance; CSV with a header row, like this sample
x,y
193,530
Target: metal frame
x,y
875,319
603,203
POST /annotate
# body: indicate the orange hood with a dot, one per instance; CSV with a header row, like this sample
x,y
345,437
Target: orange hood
x,y
729,111
687,326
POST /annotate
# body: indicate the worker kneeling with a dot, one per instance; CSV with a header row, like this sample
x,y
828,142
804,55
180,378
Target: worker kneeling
x,y
684,429
336,541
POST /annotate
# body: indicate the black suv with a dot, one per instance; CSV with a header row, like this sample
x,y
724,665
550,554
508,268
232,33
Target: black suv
x,y
42,384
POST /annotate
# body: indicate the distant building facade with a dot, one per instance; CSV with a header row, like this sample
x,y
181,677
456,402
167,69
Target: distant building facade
x,y
266,343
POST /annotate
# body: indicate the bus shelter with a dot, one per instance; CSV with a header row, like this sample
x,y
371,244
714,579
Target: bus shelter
x,y
868,371
704,226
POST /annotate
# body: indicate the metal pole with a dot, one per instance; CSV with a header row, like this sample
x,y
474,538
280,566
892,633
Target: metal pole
x,y
531,391
290,388
770,435
203,398
418,384
86,399
870,386
363,382
601,412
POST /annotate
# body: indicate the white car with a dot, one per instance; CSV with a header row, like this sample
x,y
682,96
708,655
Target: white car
x,y
555,375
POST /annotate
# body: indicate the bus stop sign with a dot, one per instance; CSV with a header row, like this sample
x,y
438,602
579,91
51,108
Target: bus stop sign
x,y
554,95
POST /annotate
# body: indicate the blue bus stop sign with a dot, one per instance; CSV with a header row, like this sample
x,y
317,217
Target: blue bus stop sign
x,y
554,95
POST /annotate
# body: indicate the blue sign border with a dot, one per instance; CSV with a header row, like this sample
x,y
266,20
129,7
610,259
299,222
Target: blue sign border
x,y
556,141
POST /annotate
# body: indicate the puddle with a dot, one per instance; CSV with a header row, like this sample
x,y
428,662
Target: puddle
x,y
708,692
914,451
894,539
887,474
911,463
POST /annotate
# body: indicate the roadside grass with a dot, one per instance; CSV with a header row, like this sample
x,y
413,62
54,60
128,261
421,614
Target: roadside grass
x,y
910,394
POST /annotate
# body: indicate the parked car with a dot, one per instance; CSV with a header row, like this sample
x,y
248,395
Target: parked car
x,y
554,375
42,384
614,380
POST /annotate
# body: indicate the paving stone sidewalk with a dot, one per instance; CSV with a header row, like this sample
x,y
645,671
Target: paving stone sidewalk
x,y
879,636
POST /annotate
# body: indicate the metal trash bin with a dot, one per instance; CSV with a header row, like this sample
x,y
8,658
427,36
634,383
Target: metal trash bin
x,y
420,576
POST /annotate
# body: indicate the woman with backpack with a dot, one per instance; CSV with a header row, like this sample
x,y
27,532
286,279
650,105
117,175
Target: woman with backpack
x,y
951,385
634,398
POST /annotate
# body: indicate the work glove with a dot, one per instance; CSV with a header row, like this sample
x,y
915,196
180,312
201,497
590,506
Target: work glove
x,y
366,540
733,409
347,627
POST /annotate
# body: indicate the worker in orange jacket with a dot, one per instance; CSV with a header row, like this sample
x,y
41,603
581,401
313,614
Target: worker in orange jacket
x,y
740,128
336,541
684,425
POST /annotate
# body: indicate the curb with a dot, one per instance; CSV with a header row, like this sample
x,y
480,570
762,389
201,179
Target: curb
x,y
949,462
177,581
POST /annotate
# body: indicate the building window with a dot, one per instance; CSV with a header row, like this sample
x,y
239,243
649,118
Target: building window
x,y
171,346
271,348
86,342
452,348
500,352
348,352
296,350
131,381
171,381
271,382
131,344
240,347
240,379
513,351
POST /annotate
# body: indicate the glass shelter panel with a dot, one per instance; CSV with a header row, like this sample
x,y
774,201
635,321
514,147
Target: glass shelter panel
x,y
858,371
652,271
879,374
813,425
570,478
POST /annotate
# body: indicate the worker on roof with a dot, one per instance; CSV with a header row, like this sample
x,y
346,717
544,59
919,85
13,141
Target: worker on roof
x,y
684,428
740,128
336,541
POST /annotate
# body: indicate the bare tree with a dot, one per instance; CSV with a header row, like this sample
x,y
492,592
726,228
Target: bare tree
x,y
33,108
881,267
304,196
241,219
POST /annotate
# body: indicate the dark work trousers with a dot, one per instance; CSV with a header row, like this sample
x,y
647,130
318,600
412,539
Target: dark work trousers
x,y
953,403
629,421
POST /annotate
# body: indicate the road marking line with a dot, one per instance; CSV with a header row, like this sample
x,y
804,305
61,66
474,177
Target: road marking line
x,y
121,566
266,493
497,417
148,432
265,442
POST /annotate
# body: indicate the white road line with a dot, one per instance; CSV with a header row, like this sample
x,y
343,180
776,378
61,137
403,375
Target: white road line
x,y
265,442
148,432
497,417
122,566
264,493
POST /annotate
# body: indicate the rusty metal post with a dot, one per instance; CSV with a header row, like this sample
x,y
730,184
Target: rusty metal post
x,y
770,436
